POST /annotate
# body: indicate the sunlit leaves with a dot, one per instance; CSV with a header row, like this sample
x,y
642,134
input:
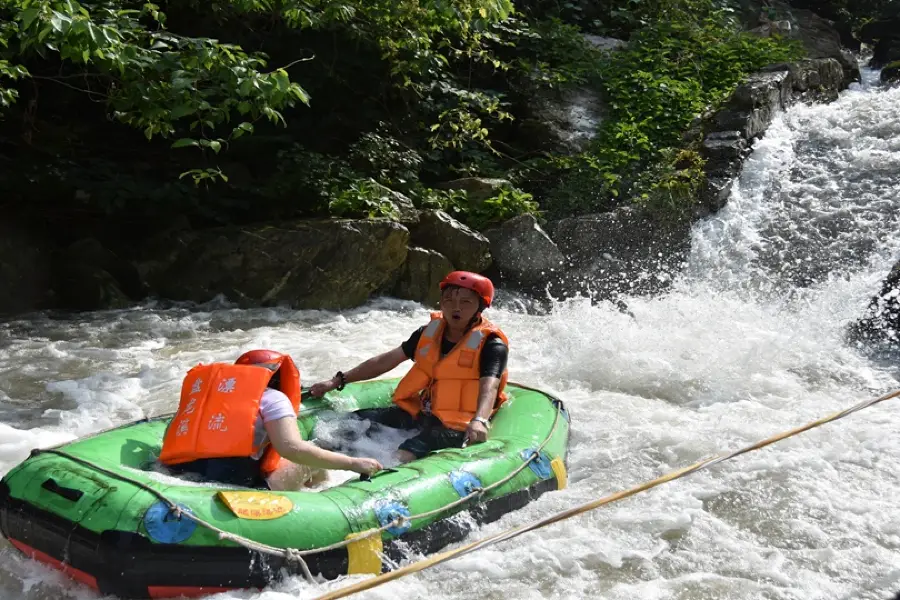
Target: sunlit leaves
x,y
165,83
157,81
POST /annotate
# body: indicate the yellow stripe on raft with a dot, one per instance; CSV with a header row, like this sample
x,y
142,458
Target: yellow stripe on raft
x,y
364,556
559,469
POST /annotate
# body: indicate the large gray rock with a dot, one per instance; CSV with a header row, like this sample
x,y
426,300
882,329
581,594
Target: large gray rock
x,y
467,249
820,37
564,120
754,103
817,80
567,119
86,286
625,251
89,276
605,44
25,269
332,264
724,152
834,12
420,276
524,253
747,114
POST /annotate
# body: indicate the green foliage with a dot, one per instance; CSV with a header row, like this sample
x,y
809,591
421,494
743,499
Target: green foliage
x,y
689,57
669,188
549,53
479,214
458,125
385,160
685,62
167,83
8,71
508,203
290,108
362,199
358,184
855,13
362,186
155,79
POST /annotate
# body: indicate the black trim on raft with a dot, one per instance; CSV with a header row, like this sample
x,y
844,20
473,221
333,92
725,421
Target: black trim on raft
x,y
126,564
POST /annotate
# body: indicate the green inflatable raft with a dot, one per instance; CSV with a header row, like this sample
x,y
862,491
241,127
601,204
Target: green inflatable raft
x,y
99,509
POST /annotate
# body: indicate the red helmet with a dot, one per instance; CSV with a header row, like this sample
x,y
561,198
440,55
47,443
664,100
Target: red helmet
x,y
479,284
256,357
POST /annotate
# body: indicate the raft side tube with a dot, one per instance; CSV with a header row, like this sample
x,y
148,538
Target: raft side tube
x,y
96,526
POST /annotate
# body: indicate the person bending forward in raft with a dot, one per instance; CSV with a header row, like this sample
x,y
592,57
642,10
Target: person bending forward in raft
x,y
457,380
236,422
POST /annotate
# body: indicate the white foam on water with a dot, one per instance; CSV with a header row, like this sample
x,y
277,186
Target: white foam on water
x,y
748,343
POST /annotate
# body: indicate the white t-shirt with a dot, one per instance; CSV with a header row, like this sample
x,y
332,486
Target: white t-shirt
x,y
273,405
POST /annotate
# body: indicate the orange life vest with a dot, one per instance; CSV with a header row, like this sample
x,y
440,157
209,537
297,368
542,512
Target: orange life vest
x,y
218,409
451,382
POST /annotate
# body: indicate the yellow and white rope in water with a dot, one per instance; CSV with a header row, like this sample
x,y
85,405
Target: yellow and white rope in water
x,y
572,512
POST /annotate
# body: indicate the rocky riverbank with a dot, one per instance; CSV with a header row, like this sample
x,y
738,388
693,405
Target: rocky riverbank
x,y
341,263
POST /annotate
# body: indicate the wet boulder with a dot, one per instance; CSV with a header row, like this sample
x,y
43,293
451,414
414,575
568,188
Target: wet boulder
x,y
821,37
881,322
626,251
724,152
567,119
25,269
90,276
524,254
891,73
467,249
420,276
82,286
729,133
884,35
754,103
817,80
333,264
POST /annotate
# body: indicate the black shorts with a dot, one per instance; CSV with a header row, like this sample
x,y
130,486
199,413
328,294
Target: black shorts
x,y
244,472
432,435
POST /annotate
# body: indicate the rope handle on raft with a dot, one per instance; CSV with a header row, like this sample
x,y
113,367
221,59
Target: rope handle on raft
x,y
296,555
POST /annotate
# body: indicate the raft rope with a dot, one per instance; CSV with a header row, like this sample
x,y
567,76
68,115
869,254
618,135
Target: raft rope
x,y
295,555
572,512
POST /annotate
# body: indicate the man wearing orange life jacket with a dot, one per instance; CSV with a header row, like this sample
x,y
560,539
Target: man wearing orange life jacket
x,y
456,382
237,424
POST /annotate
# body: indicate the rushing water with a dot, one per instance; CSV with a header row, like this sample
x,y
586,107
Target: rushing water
x,y
747,344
